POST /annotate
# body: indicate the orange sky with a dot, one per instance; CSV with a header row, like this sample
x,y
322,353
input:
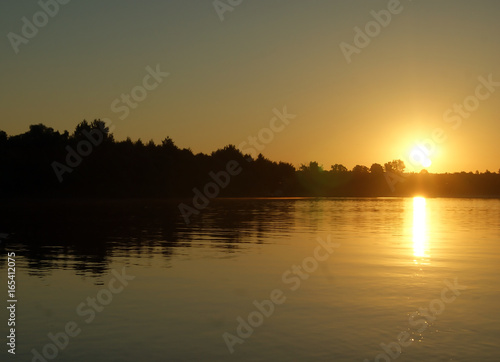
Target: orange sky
x,y
226,77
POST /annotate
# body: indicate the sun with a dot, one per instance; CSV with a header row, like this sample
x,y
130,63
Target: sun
x,y
427,163
421,156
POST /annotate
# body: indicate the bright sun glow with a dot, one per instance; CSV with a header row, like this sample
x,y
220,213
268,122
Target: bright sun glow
x,y
420,155
419,227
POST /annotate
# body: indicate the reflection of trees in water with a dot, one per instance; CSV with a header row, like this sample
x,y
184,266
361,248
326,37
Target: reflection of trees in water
x,y
86,236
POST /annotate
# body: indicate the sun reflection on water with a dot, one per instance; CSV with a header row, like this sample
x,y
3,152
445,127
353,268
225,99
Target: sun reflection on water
x,y
419,228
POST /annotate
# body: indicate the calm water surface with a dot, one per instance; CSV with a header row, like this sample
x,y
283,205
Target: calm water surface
x,y
195,283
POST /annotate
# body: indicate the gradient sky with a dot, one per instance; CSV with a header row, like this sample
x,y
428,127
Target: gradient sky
x,y
227,76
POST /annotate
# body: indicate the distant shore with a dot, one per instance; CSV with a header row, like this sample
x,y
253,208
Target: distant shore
x,y
89,163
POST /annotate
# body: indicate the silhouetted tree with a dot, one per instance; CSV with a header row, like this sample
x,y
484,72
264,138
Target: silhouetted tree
x,y
396,166
3,137
359,169
338,168
376,169
168,143
313,167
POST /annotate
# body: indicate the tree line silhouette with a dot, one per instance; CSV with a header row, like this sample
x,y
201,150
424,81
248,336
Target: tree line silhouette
x,y
91,163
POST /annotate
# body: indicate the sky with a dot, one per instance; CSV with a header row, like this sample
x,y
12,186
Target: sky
x,y
423,86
